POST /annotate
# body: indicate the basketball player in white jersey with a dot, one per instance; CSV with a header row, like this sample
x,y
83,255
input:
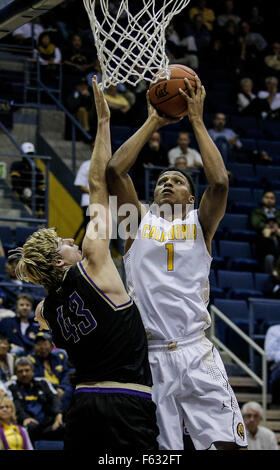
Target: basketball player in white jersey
x,y
167,262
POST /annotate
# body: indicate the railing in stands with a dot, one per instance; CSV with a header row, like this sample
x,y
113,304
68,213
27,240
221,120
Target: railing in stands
x,y
30,159
262,381
74,123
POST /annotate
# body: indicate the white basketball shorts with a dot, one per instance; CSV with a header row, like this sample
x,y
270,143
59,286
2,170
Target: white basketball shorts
x,y
191,388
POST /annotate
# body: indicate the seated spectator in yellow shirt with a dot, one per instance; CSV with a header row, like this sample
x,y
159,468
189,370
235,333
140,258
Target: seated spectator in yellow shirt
x,y
12,436
207,13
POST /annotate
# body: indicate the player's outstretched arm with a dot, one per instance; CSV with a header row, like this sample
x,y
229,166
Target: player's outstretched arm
x,y
96,241
213,203
119,181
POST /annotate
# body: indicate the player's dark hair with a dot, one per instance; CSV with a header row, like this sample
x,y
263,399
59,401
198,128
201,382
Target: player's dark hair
x,y
185,174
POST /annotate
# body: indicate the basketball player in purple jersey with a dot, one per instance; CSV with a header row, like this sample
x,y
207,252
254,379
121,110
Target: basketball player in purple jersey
x,y
167,261
91,316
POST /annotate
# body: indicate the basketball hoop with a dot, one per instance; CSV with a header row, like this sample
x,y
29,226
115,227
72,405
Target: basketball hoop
x,y
131,44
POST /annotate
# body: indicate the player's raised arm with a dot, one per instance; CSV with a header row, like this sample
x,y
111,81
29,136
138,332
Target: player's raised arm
x,y
119,181
96,241
213,203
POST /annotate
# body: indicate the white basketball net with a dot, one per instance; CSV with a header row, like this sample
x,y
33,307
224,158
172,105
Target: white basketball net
x,y
131,45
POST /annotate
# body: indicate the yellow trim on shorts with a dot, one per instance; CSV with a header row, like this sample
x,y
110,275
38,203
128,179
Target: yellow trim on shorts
x,y
126,386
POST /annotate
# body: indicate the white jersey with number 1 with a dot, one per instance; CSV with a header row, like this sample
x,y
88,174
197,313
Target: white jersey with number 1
x,y
167,269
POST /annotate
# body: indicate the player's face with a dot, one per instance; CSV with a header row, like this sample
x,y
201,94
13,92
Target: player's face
x,y
24,374
269,200
6,410
24,308
173,188
43,348
252,420
69,252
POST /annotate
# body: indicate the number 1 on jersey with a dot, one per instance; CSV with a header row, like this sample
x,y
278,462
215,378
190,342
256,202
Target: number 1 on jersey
x,y
170,256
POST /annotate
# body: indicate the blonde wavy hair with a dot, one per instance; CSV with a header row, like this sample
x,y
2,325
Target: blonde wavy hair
x,y
37,258
12,405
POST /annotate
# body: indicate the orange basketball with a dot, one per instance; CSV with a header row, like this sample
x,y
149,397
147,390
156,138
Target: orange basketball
x,y
165,96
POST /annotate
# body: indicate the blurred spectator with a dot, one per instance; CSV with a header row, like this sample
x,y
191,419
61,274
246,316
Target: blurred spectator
x,y
265,220
118,104
11,292
152,154
37,405
53,366
252,39
22,329
76,62
224,137
81,181
201,35
261,215
233,47
253,47
271,99
23,34
4,392
272,60
181,51
259,437
208,15
12,436
50,58
155,154
21,179
228,14
272,285
80,103
181,163
272,350
2,252
268,245
256,20
6,359
192,156
48,52
246,97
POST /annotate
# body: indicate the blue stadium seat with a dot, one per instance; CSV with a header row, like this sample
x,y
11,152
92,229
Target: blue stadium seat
x,y
271,147
245,170
240,195
234,221
218,261
3,260
237,285
269,172
240,200
237,311
22,233
271,129
6,234
260,280
169,139
235,227
215,291
242,124
245,182
238,254
263,313
48,445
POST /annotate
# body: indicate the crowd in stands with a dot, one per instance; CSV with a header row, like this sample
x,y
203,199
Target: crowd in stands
x,y
237,41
